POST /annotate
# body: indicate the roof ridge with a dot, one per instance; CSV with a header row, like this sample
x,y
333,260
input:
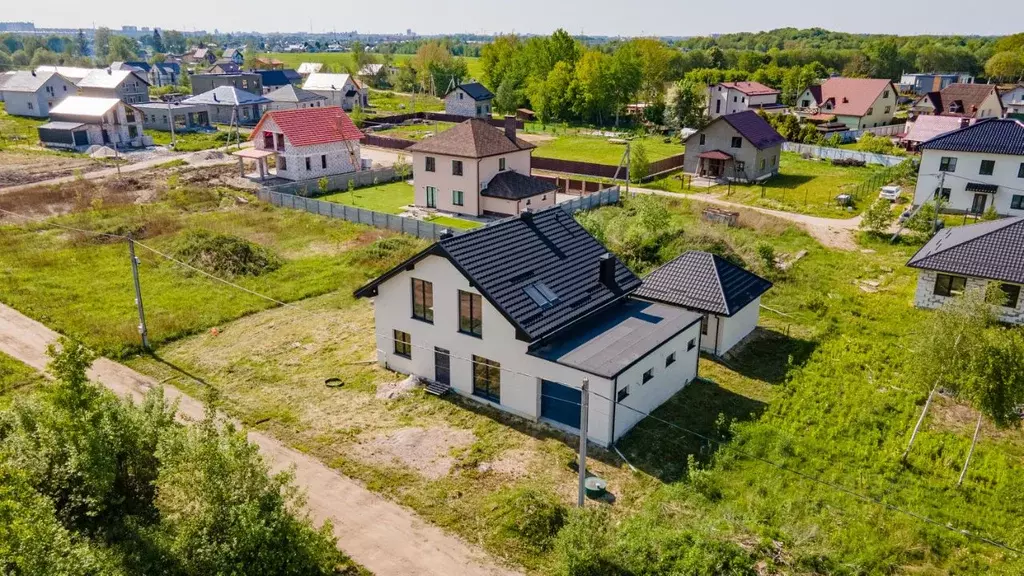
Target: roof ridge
x,y
1006,223
718,279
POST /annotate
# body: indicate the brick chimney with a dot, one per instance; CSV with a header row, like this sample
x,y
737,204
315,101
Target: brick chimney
x,y
510,127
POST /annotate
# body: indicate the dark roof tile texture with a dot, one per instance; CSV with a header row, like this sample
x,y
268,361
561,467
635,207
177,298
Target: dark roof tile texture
x,y
474,138
992,250
705,282
755,129
996,136
511,185
477,91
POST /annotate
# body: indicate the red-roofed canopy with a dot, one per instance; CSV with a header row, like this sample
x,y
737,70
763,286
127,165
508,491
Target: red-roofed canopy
x,y
714,155
311,126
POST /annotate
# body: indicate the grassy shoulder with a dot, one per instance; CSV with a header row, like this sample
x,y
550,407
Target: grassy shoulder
x,y
15,378
192,141
802,186
599,150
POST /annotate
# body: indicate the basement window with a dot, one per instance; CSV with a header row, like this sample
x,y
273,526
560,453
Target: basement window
x,y
541,295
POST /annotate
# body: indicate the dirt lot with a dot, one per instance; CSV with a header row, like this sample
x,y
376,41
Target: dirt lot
x,y
27,167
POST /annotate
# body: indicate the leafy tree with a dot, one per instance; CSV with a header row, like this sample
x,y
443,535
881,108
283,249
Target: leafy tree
x,y
101,43
624,78
878,217
639,164
687,107
158,43
551,97
5,62
507,98
174,41
1008,66
592,90
122,48
44,57
19,58
81,44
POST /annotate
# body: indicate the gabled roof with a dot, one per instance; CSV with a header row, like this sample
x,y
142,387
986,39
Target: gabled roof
x,y
230,53
107,78
751,88
289,93
475,90
755,129
167,67
515,186
25,81
311,126
226,96
137,65
278,77
926,127
961,99
71,73
705,282
995,136
327,82
474,138
310,67
84,106
993,250
548,246
371,69
224,67
851,96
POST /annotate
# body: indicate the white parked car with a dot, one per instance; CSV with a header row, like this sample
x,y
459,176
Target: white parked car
x,y
891,193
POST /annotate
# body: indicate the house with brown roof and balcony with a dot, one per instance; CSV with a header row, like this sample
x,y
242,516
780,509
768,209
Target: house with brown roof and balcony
x,y
741,146
856,102
475,168
961,101
732,97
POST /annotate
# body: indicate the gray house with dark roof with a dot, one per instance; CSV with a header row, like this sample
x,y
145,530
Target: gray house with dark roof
x,y
518,314
471,99
741,146
973,257
727,296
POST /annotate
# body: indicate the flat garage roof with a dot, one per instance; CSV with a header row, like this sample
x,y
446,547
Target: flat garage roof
x,y
613,341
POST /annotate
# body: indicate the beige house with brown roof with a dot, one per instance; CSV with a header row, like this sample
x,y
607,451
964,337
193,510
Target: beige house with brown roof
x,y
475,168
962,100
857,102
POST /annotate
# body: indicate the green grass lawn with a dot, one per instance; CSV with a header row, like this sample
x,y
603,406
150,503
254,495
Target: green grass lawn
x,y
415,131
802,186
15,378
386,103
18,129
458,223
390,198
341,61
600,150
193,141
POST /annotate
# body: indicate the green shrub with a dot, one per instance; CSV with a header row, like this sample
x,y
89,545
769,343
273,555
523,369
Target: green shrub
x,y
224,255
990,214
528,517
583,545
766,252
878,217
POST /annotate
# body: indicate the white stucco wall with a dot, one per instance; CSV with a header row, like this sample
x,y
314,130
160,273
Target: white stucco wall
x,y
445,182
737,326
514,207
925,297
968,166
516,162
722,100
520,373
49,95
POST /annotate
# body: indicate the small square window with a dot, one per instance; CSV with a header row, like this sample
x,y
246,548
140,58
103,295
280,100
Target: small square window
x,y
622,394
457,197
737,142
671,358
648,376
987,167
943,193
870,111
947,164
403,344
691,344
888,109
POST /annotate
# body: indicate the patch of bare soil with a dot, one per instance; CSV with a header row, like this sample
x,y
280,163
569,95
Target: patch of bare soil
x,y
392,390
425,450
513,463
18,168
79,194
535,137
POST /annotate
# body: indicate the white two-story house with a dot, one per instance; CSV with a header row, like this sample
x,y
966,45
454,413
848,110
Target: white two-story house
x,y
856,102
731,97
518,314
983,257
30,93
474,169
975,168
78,122
308,143
128,85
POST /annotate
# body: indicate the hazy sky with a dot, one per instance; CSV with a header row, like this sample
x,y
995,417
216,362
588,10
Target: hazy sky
x,y
597,17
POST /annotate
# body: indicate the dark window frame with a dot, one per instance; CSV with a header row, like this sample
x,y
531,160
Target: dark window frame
x,y
403,344
323,161
622,394
736,142
429,164
425,290
949,285
947,164
703,139
1020,171
458,198
1012,294
990,164
457,168
501,164
473,324
670,359
691,344
704,322
486,379
647,376
309,163
943,193
1017,202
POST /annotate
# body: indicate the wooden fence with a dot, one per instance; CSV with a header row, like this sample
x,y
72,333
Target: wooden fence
x,y
605,170
438,116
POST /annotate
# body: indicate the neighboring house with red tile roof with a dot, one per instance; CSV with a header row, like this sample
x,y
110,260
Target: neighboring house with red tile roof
x,y
741,146
962,101
856,102
732,97
924,128
309,143
464,170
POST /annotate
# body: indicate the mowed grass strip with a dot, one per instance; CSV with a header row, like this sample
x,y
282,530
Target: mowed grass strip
x,y
599,150
390,198
81,285
802,186
15,378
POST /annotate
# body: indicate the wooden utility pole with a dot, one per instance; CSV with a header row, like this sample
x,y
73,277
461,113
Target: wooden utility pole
x,y
138,293
584,402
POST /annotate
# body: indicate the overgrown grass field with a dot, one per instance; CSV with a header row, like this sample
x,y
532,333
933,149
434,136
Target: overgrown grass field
x,y
386,102
342,61
416,131
802,186
15,378
599,150
194,141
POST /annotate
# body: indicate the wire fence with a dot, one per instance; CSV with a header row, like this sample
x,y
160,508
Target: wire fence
x,y
842,154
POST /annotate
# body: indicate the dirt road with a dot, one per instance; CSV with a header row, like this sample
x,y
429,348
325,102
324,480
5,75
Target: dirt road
x,y
831,232
386,538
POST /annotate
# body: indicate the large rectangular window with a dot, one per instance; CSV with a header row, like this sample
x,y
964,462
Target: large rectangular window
x,y
457,197
429,166
1017,202
947,285
1010,294
486,378
423,300
987,167
471,320
947,164
1020,171
403,344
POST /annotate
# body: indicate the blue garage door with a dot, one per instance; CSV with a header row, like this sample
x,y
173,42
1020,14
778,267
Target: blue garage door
x,y
560,403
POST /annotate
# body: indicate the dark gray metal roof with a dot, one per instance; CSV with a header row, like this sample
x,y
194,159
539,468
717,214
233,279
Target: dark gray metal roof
x,y
515,186
995,136
548,246
476,91
755,129
705,282
993,250
611,341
